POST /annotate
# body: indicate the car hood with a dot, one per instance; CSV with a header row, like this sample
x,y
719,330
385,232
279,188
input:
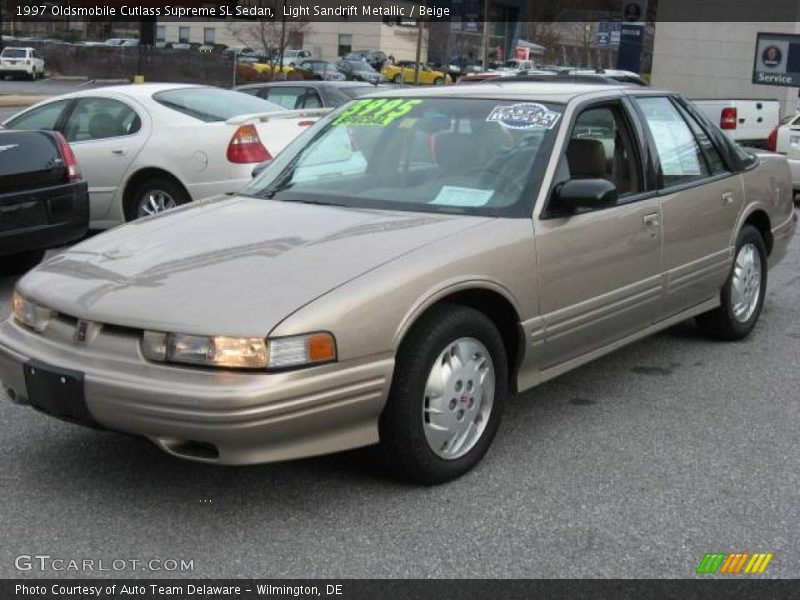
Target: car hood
x,y
236,266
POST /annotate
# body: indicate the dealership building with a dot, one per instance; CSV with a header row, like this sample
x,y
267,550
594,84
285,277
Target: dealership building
x,y
716,60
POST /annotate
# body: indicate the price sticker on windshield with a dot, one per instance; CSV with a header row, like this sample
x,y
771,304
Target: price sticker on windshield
x,y
380,111
527,115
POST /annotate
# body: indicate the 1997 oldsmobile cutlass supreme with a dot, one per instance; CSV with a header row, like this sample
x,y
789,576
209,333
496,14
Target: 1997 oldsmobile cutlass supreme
x,y
401,268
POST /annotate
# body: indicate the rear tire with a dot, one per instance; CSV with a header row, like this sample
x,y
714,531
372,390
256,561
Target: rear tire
x,y
742,295
32,76
438,81
398,79
450,380
17,264
155,196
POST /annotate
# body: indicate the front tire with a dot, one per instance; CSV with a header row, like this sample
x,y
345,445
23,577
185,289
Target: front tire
x,y
447,395
154,196
742,295
398,79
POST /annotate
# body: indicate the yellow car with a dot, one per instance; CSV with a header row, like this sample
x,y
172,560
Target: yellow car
x,y
403,72
266,68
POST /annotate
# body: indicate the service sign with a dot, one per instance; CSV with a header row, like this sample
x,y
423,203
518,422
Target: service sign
x,y
777,60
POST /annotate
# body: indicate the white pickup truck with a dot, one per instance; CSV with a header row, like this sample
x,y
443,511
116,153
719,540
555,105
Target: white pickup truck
x,y
747,122
786,140
24,62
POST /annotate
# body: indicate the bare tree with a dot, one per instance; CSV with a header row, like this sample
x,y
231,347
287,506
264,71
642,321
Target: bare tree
x,y
270,37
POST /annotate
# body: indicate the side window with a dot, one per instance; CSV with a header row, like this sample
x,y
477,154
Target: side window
x,y
287,97
333,98
311,99
101,118
44,117
710,152
601,147
679,154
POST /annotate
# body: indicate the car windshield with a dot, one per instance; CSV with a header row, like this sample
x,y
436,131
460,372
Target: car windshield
x,y
14,53
464,156
213,104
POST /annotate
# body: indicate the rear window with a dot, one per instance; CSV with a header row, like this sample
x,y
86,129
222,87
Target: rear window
x,y
212,104
14,53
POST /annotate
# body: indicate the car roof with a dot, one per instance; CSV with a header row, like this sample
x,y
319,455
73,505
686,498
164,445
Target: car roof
x,y
314,82
512,90
136,90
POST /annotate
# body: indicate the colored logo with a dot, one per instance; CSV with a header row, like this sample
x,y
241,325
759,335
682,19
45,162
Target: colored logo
x,y
771,57
734,563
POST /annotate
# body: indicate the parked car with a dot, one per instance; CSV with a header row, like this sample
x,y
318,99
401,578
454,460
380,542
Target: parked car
x,y
404,72
321,69
44,201
146,148
375,58
747,122
355,70
122,42
616,74
507,74
293,95
785,139
294,57
339,301
21,62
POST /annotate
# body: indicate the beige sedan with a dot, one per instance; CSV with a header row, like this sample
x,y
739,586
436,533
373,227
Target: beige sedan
x,y
397,272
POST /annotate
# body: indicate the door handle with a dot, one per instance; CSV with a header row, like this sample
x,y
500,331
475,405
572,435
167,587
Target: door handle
x,y
727,198
651,220
119,152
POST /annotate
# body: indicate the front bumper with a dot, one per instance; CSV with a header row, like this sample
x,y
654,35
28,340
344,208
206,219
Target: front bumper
x,y
207,415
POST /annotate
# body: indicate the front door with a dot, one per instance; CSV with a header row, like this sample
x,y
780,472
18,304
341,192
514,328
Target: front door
x,y
106,135
599,270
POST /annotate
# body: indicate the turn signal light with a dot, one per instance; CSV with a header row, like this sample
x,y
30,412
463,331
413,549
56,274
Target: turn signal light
x,y
70,162
728,118
246,147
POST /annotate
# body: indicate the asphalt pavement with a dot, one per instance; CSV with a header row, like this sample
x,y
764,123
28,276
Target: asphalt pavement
x,y
43,87
633,466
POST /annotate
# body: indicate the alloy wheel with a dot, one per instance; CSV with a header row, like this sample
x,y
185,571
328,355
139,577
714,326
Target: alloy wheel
x,y
746,283
459,395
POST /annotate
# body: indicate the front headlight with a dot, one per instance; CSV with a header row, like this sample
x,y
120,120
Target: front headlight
x,y
239,353
29,313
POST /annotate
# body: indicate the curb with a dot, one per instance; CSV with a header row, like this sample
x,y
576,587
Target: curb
x,y
20,101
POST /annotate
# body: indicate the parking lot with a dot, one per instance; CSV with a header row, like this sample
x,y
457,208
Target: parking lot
x,y
633,466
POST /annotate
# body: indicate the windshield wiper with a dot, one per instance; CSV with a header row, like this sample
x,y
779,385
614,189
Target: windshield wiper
x,y
315,202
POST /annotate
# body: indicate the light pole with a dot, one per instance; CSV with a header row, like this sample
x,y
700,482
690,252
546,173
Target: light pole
x,y
485,53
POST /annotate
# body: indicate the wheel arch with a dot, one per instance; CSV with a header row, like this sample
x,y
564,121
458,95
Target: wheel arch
x,y
140,176
759,219
489,298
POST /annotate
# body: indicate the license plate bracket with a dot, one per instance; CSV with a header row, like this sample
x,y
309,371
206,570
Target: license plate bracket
x,y
57,392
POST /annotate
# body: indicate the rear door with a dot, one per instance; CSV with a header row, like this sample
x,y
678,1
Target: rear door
x,y
599,270
701,198
106,134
